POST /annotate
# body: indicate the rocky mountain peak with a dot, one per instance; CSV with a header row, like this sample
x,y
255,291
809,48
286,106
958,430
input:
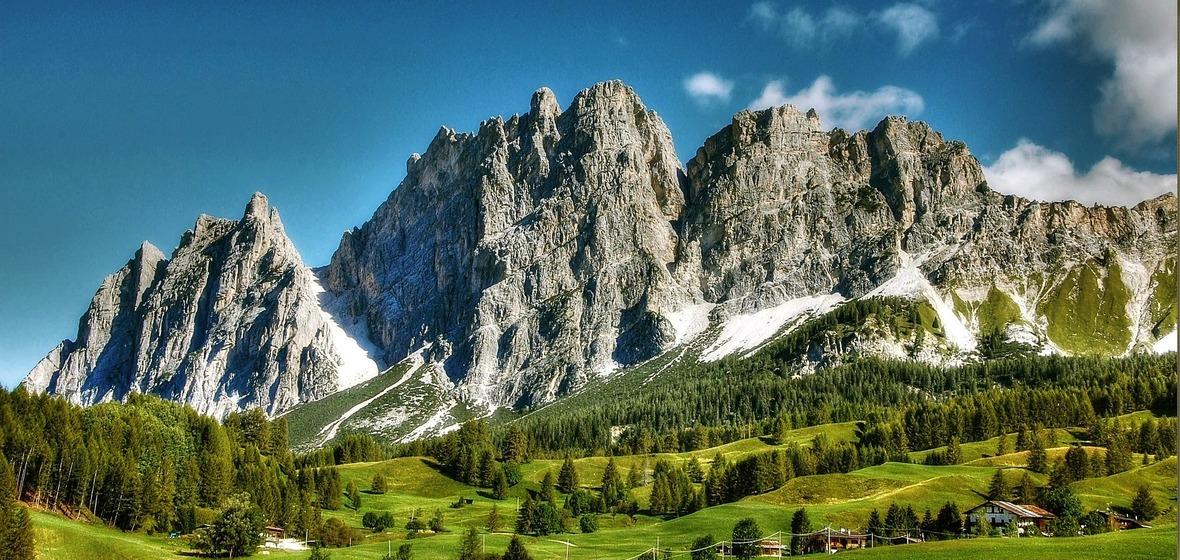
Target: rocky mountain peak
x,y
544,105
232,320
524,259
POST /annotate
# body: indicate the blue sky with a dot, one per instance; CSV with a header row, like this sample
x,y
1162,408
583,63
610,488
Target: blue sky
x,y
123,122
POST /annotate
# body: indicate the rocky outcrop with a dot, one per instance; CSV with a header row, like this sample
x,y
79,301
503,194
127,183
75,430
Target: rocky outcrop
x,y
779,209
524,259
542,250
529,256
232,320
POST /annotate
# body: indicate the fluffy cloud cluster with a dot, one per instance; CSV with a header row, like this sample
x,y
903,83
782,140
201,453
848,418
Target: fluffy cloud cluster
x,y
1036,172
707,87
852,111
1139,37
911,23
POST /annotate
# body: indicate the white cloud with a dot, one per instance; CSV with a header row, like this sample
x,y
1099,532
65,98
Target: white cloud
x,y
913,24
707,87
799,27
852,111
1138,103
764,13
1036,172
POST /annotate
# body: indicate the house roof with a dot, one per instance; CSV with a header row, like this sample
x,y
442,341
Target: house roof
x,y
1124,518
1025,510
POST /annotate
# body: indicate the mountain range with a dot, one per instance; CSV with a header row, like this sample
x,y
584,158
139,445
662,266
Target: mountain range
x,y
521,262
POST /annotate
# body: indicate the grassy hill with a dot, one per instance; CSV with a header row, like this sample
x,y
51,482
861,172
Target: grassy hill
x,y
417,487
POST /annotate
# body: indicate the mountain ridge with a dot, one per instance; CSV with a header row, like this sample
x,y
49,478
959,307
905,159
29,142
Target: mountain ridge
x,y
522,260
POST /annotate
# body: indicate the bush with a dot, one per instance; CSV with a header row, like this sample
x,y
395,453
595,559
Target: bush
x,y
378,522
745,538
336,534
588,523
436,522
512,473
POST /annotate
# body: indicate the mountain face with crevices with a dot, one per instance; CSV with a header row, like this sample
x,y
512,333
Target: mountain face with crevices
x,y
232,320
541,252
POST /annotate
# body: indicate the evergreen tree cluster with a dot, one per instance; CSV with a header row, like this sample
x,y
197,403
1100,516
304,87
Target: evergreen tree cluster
x,y
698,405
16,529
155,466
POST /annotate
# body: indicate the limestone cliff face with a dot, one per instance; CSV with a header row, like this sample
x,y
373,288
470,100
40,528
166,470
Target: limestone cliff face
x,y
778,209
526,258
231,320
542,250
530,255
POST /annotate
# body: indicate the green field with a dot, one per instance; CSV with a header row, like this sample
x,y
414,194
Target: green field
x,y
839,500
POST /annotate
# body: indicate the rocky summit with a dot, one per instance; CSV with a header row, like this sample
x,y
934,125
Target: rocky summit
x,y
232,320
543,251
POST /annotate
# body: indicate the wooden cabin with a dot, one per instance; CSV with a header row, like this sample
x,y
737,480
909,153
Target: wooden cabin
x,y
1000,513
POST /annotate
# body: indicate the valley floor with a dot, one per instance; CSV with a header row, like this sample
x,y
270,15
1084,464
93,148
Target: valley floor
x,y
838,500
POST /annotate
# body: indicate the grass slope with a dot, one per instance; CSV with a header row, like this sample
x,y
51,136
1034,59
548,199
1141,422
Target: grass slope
x,y
416,486
305,421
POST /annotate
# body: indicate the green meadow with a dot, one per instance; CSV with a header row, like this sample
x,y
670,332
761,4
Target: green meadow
x,y
417,487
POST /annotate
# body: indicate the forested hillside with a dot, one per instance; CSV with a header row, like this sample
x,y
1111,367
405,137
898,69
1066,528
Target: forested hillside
x,y
157,467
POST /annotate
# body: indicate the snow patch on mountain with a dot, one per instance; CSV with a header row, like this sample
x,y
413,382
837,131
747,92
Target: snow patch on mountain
x,y
690,321
748,331
911,283
1165,344
329,431
356,351
1138,280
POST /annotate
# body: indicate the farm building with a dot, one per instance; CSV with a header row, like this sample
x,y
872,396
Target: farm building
x,y
832,541
1000,513
1122,522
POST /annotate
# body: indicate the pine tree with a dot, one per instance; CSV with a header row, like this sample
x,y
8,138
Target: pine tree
x,y
378,485
1026,492
524,517
1118,454
469,548
949,521
612,485
1038,461
493,523
874,525
516,550
16,529
695,472
634,476
999,489
1148,442
893,520
499,485
567,479
1077,462
17,538
800,527
318,553
514,448
1002,447
1143,505
954,452
437,523
354,496
547,490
